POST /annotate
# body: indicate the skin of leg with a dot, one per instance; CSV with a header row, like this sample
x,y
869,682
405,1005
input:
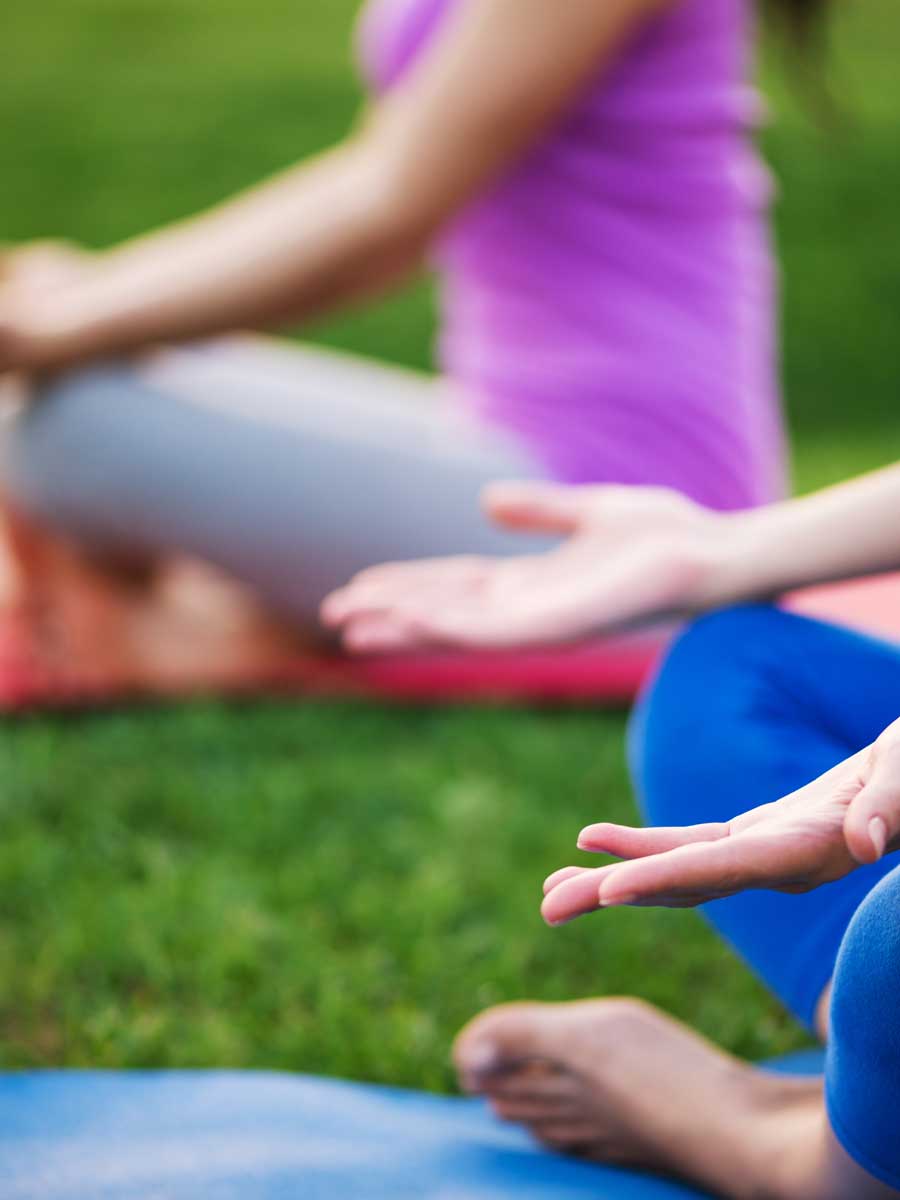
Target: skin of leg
x,y
619,1082
289,469
616,1081
776,1121
822,1011
845,1179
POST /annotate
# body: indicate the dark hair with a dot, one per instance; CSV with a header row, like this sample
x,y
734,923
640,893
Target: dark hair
x,y
802,19
803,27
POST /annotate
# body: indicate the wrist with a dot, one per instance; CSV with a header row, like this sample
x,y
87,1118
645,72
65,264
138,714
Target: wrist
x,y
872,821
57,332
887,746
733,561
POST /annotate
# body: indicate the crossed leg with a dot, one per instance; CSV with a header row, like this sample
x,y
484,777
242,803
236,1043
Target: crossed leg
x,y
285,468
749,705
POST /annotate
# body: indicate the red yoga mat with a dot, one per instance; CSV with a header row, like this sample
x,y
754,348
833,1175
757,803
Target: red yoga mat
x,y
606,671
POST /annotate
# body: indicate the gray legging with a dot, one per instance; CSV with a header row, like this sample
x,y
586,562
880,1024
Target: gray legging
x,y
289,468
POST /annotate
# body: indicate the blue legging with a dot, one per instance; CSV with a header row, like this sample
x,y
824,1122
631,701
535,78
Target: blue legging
x,y
750,704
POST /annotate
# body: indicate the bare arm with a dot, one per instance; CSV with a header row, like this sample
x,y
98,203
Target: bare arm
x,y
358,217
847,530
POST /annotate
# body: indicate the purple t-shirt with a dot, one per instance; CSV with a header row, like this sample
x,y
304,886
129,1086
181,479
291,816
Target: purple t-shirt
x,y
611,300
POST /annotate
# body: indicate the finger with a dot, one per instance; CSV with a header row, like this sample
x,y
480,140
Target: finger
x,y
360,600
625,841
537,507
356,599
575,896
562,875
380,633
694,873
677,899
404,628
453,566
872,821
385,586
471,626
482,621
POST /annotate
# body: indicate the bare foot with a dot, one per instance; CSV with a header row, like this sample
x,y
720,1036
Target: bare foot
x,y
196,630
620,1082
74,626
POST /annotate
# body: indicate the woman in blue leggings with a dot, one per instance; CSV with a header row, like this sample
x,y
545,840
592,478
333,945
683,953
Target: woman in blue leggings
x,y
766,753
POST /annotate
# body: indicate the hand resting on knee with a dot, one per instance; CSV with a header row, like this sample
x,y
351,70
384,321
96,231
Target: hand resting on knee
x,y
630,554
847,817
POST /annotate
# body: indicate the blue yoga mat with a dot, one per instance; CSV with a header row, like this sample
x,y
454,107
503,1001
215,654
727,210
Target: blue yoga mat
x,y
223,1135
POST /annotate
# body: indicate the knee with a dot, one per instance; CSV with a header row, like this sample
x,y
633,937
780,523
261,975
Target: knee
x,y
867,973
862,1070
78,400
693,710
58,436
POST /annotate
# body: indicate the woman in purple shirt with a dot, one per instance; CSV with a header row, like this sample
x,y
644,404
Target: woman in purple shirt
x,y
585,179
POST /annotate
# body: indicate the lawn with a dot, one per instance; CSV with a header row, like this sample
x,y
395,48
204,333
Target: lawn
x,y
336,887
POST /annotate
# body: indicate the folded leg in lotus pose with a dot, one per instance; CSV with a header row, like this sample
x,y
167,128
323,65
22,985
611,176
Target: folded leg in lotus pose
x,y
802,878
586,179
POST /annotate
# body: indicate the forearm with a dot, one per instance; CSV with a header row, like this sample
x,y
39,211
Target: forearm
x,y
349,224
288,249
482,93
843,531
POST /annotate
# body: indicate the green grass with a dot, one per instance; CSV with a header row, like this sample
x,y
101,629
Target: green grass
x,y
336,887
329,887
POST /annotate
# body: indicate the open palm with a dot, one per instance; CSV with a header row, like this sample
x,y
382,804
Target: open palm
x,y
849,816
628,553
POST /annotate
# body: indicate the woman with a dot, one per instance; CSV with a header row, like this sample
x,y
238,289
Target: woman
x,y
750,704
584,176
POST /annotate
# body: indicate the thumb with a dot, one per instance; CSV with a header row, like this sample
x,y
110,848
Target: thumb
x,y
872,822
539,507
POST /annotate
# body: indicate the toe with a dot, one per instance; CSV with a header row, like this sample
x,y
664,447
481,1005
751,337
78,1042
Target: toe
x,y
530,1111
569,1135
501,1040
536,1081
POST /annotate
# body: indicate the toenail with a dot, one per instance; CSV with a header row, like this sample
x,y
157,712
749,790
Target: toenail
x,y
481,1060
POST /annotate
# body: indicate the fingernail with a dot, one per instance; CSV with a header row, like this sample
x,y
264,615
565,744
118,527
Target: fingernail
x,y
617,901
878,834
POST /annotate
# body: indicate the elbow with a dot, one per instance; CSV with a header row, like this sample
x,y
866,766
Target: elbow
x,y
395,227
395,217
